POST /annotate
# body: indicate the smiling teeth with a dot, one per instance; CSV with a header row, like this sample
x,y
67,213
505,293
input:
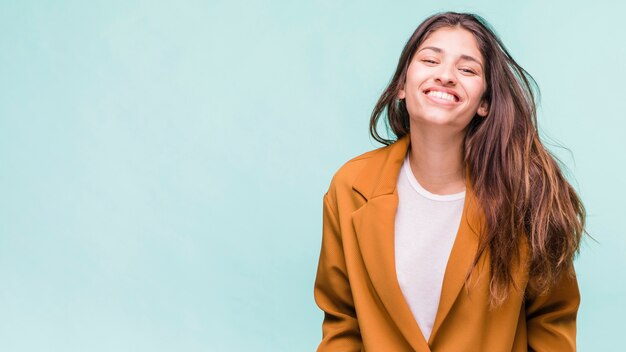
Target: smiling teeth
x,y
441,95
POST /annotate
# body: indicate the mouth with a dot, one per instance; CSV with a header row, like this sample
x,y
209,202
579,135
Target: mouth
x,y
442,96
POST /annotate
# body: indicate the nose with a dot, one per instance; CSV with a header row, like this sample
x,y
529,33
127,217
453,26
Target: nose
x,y
446,74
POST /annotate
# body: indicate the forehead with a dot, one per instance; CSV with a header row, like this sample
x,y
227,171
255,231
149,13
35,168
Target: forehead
x,y
457,42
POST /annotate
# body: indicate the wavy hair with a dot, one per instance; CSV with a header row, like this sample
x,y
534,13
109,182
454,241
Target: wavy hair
x,y
517,181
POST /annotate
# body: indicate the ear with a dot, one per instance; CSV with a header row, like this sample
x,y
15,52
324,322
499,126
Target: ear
x,y
483,108
401,93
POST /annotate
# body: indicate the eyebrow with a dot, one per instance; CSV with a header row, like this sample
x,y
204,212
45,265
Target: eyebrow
x,y
463,56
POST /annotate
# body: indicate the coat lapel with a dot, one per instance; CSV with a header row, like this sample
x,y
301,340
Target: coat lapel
x,y
374,224
461,257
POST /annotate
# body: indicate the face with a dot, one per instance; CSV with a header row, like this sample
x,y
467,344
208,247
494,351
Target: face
x,y
445,80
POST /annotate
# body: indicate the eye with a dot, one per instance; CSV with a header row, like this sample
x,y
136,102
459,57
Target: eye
x,y
429,61
468,70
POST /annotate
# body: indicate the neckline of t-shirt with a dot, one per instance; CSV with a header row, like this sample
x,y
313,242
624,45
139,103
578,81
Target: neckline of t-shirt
x,y
422,191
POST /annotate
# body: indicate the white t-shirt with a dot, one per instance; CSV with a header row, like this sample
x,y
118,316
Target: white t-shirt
x,y
426,225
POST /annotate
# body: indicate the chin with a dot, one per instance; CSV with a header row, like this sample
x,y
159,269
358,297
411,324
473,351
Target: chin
x,y
434,118
443,121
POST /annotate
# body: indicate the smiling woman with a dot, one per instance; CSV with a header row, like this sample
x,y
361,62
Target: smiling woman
x,y
460,233
452,57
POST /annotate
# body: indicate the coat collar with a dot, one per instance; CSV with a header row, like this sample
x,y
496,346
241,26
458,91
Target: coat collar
x,y
374,225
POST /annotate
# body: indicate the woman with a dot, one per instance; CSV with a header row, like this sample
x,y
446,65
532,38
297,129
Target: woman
x,y
460,234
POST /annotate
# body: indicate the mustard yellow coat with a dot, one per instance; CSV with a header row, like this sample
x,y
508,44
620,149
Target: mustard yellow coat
x,y
364,308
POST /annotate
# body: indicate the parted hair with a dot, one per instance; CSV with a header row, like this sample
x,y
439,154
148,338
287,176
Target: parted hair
x,y
517,181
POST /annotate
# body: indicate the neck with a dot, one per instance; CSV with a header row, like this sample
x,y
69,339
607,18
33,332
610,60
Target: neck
x,y
436,159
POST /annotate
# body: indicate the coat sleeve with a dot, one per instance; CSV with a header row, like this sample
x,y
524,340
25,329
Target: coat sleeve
x,y
340,328
551,318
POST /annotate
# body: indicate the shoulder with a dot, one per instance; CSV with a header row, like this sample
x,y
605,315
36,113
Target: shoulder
x,y
343,179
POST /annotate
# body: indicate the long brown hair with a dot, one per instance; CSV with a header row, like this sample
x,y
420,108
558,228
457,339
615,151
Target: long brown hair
x,y
518,183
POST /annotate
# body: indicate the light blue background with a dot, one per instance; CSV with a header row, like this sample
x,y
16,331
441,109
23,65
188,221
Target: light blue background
x,y
162,164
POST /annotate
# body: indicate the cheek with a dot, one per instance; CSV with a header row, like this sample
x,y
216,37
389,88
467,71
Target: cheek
x,y
413,76
476,89
414,87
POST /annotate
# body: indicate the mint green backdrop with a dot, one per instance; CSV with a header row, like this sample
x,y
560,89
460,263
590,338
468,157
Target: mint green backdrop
x,y
162,164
